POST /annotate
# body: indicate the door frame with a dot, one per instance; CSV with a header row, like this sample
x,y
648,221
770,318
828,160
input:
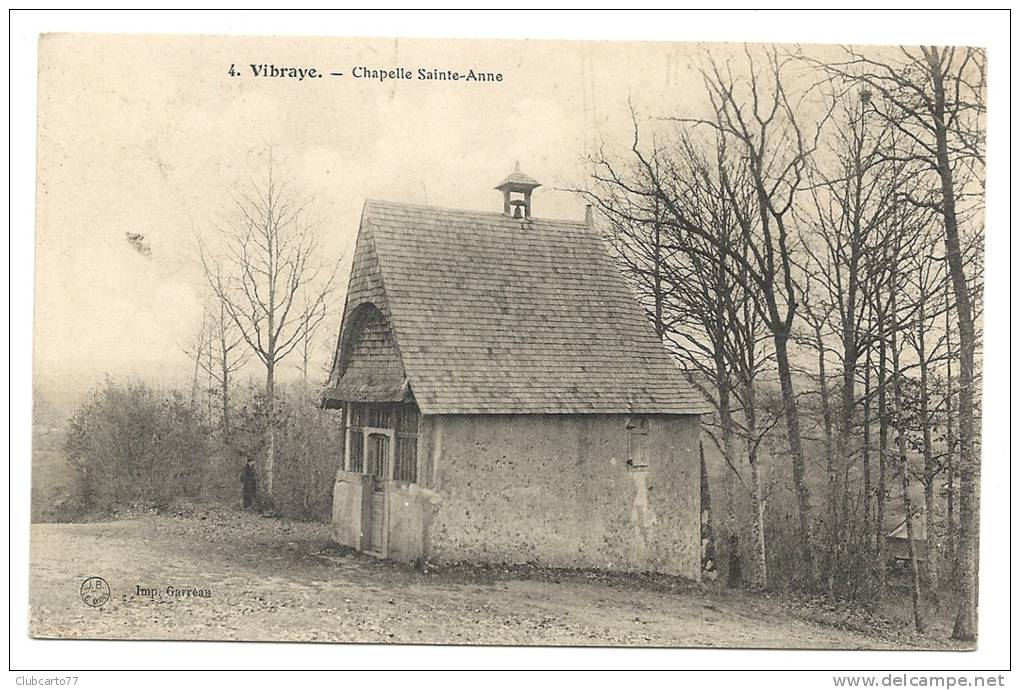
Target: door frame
x,y
380,550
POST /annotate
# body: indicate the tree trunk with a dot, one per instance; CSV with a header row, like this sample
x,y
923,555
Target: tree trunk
x,y
225,395
965,626
883,447
198,358
915,578
305,355
848,402
726,422
270,426
866,460
730,520
950,528
708,559
833,537
759,570
930,470
901,451
209,388
725,416
780,338
849,327
823,390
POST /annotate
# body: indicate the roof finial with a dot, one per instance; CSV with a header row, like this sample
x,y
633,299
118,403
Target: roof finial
x,y
517,166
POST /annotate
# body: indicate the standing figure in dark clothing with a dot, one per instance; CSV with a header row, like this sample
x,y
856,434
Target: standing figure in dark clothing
x,y
249,484
736,577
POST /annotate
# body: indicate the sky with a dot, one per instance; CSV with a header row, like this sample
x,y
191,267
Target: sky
x,y
150,134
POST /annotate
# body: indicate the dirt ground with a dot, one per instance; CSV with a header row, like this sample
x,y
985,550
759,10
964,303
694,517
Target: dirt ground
x,y
274,579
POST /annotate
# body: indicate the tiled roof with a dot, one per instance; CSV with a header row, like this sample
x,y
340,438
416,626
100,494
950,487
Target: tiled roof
x,y
494,315
919,526
367,385
373,370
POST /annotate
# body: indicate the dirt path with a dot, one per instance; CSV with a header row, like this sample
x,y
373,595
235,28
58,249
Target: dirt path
x,y
273,579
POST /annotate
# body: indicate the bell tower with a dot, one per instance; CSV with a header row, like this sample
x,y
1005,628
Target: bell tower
x,y
517,188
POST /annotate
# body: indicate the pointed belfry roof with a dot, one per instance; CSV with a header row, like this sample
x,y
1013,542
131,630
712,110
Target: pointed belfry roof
x,y
518,181
492,315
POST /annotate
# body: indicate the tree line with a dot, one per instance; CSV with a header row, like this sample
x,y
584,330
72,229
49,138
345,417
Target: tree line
x,y
810,248
269,288
134,446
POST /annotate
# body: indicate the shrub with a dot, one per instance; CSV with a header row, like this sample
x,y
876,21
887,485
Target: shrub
x,y
309,446
129,445
311,449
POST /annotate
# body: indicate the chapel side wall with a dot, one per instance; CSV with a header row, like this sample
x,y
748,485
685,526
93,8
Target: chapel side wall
x,y
557,490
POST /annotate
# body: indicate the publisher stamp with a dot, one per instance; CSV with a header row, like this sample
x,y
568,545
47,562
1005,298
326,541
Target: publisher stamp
x,y
95,591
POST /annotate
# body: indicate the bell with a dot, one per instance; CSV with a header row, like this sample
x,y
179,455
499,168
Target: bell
x,y
517,183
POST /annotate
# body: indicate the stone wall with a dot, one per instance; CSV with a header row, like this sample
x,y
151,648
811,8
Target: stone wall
x,y
557,490
351,496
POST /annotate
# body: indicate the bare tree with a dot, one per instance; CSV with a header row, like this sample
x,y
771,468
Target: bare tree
x,y
880,309
847,234
312,318
951,445
934,97
259,270
702,310
713,288
679,290
748,222
901,447
925,277
196,350
758,117
951,458
219,352
891,315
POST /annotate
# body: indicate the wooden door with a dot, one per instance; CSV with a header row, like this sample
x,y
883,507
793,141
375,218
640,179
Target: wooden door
x,y
378,457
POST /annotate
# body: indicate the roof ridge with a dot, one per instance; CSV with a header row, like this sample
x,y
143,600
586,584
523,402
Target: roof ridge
x,y
467,212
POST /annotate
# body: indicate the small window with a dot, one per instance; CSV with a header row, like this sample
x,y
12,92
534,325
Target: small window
x,y
378,455
637,443
357,462
370,455
406,469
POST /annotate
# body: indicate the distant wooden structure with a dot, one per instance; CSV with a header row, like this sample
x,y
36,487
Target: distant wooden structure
x,y
897,542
